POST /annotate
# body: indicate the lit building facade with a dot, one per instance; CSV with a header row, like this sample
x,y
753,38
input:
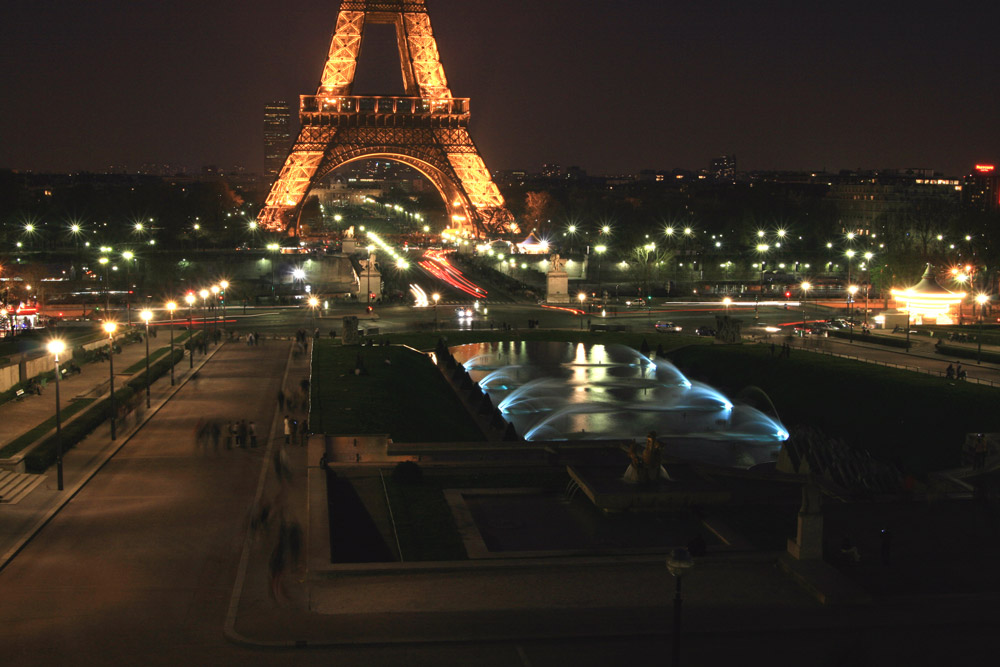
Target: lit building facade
x,y
277,135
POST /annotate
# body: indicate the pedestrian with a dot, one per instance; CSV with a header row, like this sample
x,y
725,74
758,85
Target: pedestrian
x,y
232,435
295,433
216,436
288,429
979,451
281,400
242,434
252,429
950,372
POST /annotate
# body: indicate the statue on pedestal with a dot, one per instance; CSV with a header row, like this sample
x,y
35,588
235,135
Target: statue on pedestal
x,y
557,263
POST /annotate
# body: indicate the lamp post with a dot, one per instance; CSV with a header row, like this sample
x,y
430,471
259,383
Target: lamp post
x,y
582,297
961,279
678,562
981,299
104,261
600,250
110,327
868,281
762,248
146,316
171,307
57,347
224,284
851,291
436,297
127,256
189,298
805,286
368,270
313,304
204,312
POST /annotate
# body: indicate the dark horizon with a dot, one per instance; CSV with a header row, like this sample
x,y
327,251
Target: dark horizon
x,y
612,90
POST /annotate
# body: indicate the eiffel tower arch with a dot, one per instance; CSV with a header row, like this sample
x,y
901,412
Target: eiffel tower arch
x,y
426,129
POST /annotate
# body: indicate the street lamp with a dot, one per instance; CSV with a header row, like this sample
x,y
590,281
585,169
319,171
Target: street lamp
x,y
600,250
582,297
678,562
868,281
436,297
762,249
981,299
805,286
110,327
726,301
961,279
224,284
127,256
313,304
204,312
107,294
171,307
189,298
146,316
57,347
851,290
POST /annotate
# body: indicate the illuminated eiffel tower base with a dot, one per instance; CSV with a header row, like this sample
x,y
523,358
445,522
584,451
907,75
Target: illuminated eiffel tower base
x,y
427,129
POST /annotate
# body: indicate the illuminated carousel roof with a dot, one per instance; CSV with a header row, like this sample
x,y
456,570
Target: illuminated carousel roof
x,y
928,285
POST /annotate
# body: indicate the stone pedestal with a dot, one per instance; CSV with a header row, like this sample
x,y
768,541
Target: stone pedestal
x,y
557,287
349,246
370,282
808,542
350,331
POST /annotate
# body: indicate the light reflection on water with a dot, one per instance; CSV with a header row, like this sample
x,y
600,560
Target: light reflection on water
x,y
560,391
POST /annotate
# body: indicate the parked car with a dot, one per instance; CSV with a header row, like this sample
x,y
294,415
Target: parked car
x,y
665,327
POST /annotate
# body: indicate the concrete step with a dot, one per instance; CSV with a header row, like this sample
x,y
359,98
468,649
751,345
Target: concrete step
x,y
16,485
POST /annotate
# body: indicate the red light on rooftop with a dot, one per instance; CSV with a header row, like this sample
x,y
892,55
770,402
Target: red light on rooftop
x,y
985,168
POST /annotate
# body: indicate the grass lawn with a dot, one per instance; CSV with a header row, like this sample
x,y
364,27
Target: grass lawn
x,y
914,420
25,439
407,398
153,356
424,522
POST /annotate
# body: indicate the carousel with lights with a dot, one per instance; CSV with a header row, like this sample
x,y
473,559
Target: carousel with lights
x,y
927,302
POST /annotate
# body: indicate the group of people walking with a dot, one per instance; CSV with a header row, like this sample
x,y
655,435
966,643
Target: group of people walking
x,y
211,433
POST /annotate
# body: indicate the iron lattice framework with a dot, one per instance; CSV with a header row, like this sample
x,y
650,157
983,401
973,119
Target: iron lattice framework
x,y
427,129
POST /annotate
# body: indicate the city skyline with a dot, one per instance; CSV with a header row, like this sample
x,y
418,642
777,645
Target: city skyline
x,y
658,86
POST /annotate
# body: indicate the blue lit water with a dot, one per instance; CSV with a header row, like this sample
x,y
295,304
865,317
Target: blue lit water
x,y
573,391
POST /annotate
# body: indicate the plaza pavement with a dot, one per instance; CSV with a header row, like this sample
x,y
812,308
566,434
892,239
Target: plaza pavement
x,y
153,562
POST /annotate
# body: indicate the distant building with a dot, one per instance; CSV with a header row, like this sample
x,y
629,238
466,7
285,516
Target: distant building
x,y
981,189
865,201
550,170
723,168
277,135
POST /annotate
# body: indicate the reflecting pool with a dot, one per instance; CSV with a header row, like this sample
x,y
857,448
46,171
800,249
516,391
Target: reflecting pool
x,y
574,391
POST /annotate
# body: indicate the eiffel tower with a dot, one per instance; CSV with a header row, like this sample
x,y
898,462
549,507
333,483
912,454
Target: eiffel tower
x,y
427,129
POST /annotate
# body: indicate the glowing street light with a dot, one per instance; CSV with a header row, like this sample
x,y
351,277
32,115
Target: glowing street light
x,y
224,284
981,299
189,298
57,347
146,316
582,297
128,256
215,300
171,307
109,328
204,312
805,287
436,297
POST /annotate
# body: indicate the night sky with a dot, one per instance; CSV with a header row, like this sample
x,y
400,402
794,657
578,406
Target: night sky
x,y
612,86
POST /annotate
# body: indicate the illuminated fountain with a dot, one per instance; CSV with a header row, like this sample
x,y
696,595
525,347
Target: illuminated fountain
x,y
566,391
